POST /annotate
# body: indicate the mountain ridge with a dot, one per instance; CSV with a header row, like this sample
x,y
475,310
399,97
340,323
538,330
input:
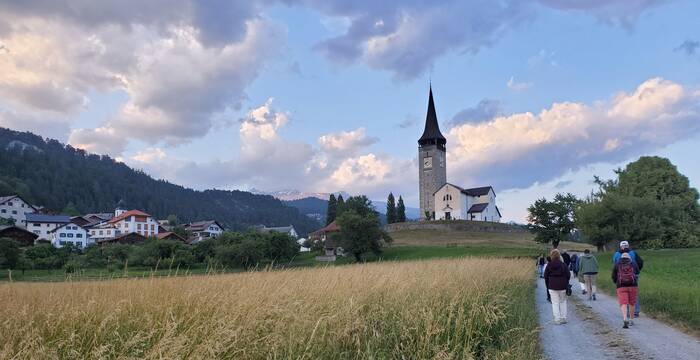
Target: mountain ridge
x,y
49,173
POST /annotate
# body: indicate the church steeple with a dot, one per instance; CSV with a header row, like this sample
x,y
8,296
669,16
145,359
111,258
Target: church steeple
x,y
431,134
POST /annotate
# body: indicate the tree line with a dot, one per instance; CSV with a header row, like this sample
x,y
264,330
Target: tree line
x,y
229,250
649,203
69,180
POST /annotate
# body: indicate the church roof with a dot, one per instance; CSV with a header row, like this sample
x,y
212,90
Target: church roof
x,y
431,133
478,191
477,208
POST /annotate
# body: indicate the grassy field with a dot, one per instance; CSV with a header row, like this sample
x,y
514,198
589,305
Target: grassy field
x,y
442,309
669,286
474,239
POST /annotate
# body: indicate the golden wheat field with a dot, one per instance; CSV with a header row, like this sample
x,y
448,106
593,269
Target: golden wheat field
x,y
437,309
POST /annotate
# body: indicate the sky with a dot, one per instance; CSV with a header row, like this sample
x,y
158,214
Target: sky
x,y
535,97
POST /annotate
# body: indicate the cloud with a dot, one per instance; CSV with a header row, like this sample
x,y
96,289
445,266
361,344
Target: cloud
x,y
150,155
518,86
346,142
543,57
101,140
406,37
180,62
408,122
619,12
486,109
689,47
39,123
519,149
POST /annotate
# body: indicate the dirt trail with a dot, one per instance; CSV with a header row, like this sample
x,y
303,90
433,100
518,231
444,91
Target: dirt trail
x,y
594,331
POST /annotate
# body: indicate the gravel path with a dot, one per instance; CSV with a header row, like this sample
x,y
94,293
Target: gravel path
x,y
594,331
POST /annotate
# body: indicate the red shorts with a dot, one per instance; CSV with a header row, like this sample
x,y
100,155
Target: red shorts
x,y
627,295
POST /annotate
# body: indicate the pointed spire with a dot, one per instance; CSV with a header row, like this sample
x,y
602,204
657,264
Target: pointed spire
x,y
431,134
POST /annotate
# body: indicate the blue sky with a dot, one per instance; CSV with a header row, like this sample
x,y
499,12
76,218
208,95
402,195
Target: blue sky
x,y
535,97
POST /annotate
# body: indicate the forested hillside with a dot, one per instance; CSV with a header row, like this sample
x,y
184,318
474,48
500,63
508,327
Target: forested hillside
x,y
48,173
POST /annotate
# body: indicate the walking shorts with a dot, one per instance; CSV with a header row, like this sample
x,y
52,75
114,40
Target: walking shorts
x,y
627,295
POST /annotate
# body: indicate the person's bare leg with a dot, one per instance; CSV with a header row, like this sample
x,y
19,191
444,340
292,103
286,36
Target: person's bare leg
x,y
623,309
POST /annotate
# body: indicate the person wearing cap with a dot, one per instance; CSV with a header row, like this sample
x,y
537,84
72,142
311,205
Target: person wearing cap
x,y
624,275
637,259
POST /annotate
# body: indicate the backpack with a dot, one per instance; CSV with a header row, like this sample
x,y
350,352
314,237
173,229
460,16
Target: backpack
x,y
625,274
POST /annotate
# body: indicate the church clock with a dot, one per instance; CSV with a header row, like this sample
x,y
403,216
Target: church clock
x,y
428,163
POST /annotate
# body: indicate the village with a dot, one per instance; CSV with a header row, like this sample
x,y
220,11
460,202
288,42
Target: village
x,y
28,224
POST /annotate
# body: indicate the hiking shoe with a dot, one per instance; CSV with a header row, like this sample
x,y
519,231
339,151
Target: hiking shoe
x,y
631,322
563,321
636,315
593,297
585,292
626,325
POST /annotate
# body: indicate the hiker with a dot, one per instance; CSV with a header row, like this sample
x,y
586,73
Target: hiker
x,y
540,266
624,275
573,266
566,258
556,277
637,259
544,268
588,268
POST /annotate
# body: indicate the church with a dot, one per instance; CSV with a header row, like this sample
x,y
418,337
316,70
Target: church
x,y
440,200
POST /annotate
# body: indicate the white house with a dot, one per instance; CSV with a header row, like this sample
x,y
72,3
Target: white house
x,y
202,230
42,224
289,230
455,203
70,234
125,222
14,207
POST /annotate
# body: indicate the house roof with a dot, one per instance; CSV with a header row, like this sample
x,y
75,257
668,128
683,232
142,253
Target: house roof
x,y
478,191
6,229
498,211
202,225
64,225
43,218
279,229
432,129
477,208
332,227
4,199
169,234
134,235
126,215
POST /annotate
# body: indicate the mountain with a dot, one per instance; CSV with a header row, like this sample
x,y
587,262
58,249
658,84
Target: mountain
x,y
411,212
312,207
292,194
51,174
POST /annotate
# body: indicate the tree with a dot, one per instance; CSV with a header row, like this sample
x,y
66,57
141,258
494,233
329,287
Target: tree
x,y
173,221
9,254
650,204
71,210
553,221
390,209
340,206
360,230
332,210
7,221
400,211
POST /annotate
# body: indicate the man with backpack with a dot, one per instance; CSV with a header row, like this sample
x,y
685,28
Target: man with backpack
x,y
624,275
637,259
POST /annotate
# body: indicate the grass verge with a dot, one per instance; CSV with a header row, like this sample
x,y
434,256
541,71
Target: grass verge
x,y
444,309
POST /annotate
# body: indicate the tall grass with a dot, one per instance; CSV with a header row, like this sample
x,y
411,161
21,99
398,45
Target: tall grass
x,y
441,309
669,285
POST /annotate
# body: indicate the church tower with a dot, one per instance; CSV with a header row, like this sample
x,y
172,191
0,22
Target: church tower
x,y
432,169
